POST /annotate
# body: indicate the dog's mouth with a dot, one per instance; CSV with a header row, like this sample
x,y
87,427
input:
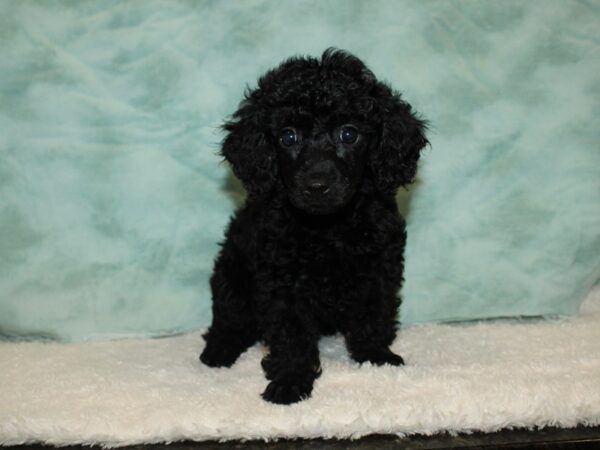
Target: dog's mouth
x,y
326,200
318,209
320,188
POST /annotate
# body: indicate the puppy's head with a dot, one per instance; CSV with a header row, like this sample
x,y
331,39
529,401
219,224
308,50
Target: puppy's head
x,y
319,128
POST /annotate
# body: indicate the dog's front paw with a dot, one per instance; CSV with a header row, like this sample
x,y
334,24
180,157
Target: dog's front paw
x,y
379,357
285,393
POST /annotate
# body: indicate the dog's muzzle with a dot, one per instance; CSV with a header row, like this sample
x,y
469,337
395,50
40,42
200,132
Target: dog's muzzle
x,y
321,188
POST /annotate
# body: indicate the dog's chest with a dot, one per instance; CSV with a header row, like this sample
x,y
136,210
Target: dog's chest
x,y
329,274
324,269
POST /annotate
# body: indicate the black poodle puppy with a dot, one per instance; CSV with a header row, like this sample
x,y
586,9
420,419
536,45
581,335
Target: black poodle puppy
x,y
321,147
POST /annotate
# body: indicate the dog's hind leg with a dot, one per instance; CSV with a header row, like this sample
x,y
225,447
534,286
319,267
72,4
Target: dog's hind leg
x,y
233,327
369,339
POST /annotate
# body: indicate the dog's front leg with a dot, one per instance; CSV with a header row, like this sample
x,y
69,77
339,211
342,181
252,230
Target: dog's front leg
x,y
292,364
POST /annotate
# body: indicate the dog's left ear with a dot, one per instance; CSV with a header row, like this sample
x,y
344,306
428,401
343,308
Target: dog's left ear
x,y
402,136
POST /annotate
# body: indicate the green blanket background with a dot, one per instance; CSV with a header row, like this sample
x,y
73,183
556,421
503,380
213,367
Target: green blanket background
x,y
113,198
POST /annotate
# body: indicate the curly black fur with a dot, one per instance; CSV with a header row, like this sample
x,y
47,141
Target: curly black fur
x,y
318,247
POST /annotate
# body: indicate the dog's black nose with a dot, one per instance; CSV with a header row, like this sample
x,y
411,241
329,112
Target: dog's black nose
x,y
317,186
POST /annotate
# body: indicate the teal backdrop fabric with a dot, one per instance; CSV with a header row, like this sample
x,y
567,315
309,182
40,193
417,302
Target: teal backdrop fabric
x,y
113,197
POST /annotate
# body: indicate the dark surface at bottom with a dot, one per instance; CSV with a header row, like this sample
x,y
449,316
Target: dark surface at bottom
x,y
547,438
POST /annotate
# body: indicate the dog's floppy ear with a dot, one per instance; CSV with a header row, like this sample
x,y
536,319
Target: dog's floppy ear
x,y
247,149
402,136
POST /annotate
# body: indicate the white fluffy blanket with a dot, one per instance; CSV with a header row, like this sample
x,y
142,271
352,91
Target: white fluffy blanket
x,y
483,376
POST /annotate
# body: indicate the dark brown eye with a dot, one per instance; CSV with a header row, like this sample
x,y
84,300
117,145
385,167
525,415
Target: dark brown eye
x,y
348,135
288,137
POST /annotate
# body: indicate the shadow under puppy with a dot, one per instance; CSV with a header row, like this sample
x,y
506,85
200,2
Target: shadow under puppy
x,y
321,147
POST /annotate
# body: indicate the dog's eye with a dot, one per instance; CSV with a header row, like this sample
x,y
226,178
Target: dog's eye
x,y
348,135
288,137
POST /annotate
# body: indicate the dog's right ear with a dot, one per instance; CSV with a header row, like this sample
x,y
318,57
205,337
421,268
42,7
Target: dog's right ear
x,y
247,149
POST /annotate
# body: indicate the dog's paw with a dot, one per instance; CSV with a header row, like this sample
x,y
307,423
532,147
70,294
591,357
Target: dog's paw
x,y
379,357
285,393
216,356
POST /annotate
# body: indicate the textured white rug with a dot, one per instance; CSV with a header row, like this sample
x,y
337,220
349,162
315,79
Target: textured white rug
x,y
484,376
